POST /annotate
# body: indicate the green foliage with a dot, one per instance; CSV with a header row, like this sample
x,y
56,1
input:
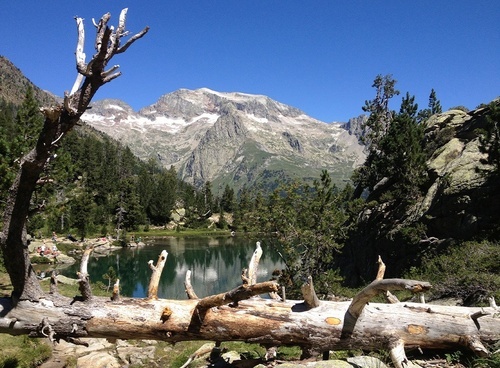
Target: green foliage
x,y
380,115
29,122
395,166
470,271
111,276
227,200
308,222
434,107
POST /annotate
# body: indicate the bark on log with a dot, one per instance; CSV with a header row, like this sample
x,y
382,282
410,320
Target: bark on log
x,y
264,321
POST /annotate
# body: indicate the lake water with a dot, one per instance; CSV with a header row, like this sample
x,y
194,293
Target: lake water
x,y
215,265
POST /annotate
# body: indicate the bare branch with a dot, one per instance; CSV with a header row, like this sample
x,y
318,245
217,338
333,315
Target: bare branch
x,y
242,292
83,275
381,269
132,39
391,298
254,264
156,274
189,288
379,286
81,66
111,77
398,355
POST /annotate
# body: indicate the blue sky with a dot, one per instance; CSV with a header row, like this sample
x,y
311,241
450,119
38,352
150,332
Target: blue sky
x,y
320,56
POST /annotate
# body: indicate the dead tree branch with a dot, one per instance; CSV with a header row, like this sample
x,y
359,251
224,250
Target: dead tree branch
x,y
155,276
58,121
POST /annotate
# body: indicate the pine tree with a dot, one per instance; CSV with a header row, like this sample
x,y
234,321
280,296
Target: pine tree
x,y
29,122
380,114
227,200
434,107
376,127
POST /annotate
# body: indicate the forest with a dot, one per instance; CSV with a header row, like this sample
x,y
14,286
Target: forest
x,y
90,185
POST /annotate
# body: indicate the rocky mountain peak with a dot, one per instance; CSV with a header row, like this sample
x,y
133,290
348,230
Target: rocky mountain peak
x,y
230,138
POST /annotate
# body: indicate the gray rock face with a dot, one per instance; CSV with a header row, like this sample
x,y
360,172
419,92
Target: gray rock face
x,y
230,138
464,197
459,202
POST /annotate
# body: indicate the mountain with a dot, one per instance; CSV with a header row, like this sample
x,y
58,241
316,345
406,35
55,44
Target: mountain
x,y
230,138
13,85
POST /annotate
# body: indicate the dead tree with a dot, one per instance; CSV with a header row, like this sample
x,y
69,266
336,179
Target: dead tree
x,y
236,315
59,120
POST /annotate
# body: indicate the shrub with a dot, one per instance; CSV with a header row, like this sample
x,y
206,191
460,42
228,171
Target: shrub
x,y
470,271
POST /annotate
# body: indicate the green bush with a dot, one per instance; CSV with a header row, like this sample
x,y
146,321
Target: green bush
x,y
469,271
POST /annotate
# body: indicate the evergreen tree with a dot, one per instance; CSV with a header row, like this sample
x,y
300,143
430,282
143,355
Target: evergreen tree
x,y
308,224
376,127
434,107
208,199
81,213
402,158
163,197
29,122
380,114
227,200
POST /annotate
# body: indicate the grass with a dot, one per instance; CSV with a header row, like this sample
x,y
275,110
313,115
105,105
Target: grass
x,y
23,351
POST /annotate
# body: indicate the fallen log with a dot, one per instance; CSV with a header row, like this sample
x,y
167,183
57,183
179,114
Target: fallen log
x,y
241,315
256,320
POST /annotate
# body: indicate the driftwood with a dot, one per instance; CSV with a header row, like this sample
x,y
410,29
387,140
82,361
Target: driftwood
x,y
237,315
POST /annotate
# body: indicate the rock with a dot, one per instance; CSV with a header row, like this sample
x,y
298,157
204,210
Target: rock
x,y
136,354
66,280
330,364
99,359
64,259
366,362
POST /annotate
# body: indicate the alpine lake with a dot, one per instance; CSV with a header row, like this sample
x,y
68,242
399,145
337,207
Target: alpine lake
x,y
216,264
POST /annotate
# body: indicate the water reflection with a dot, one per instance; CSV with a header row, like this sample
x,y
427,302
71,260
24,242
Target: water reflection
x,y
215,265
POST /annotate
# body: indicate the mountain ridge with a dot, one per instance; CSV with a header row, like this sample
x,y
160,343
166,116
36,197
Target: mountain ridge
x,y
227,138
230,137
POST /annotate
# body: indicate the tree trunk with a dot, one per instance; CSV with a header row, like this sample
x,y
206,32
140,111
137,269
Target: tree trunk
x,y
271,323
58,121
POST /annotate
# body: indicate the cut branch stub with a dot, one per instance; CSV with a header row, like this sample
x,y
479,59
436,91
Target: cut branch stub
x,y
309,294
83,275
389,297
155,276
